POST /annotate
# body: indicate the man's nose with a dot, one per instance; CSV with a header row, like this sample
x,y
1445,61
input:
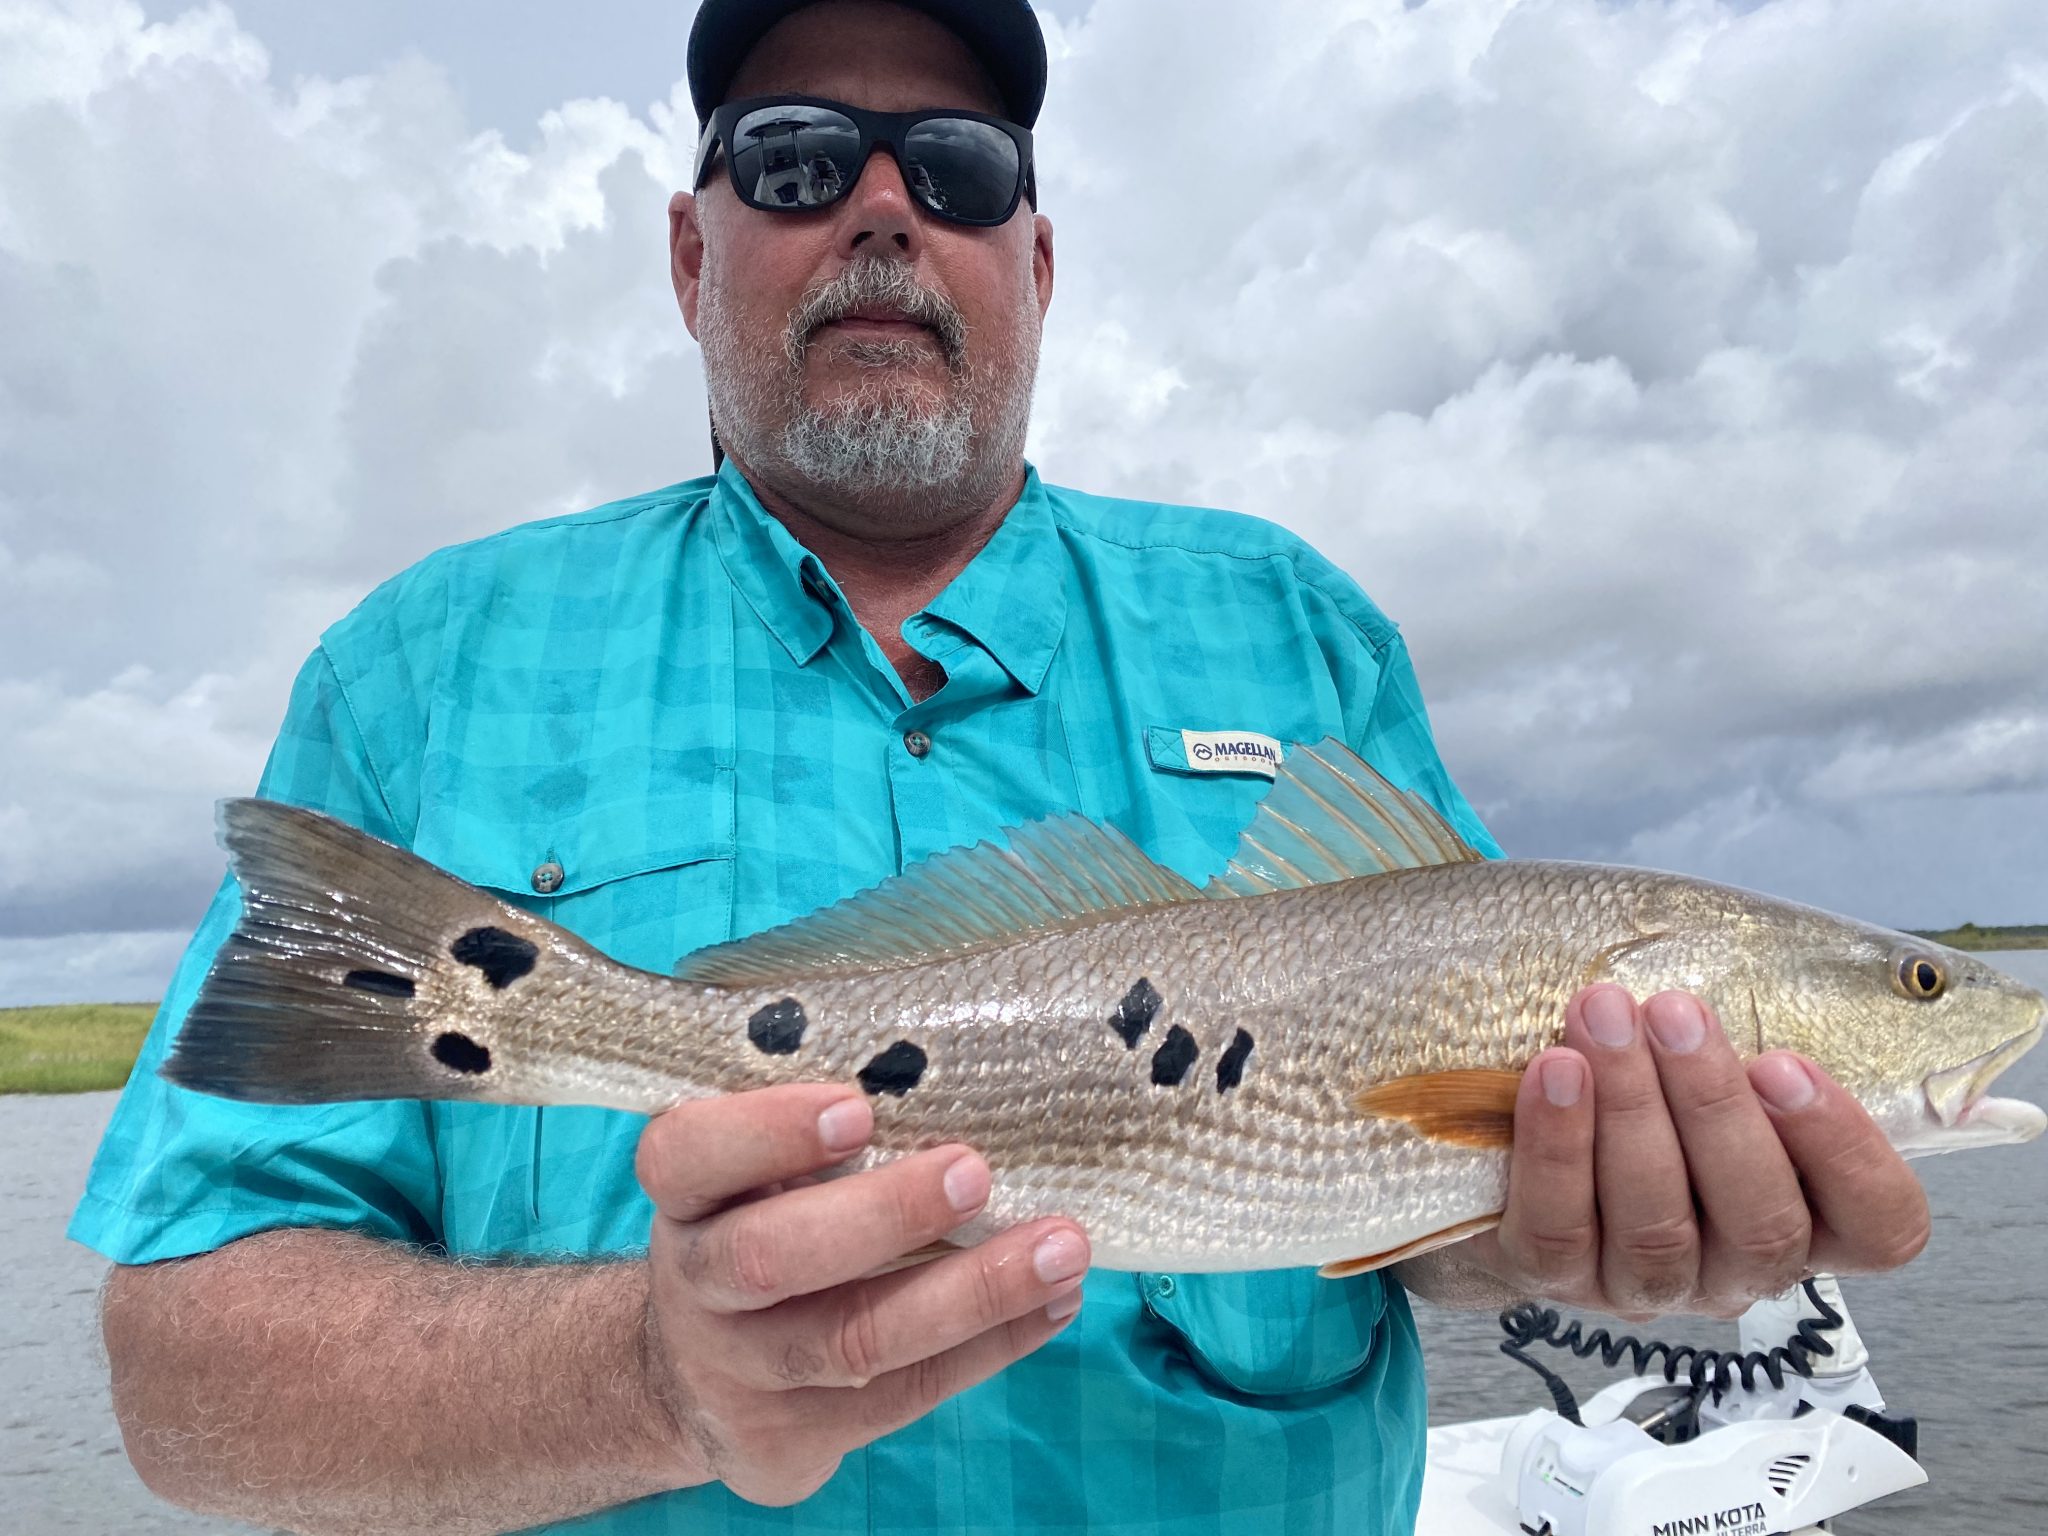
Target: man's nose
x,y
880,216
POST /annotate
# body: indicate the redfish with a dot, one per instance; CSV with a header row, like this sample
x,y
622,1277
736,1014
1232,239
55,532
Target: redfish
x,y
1311,1061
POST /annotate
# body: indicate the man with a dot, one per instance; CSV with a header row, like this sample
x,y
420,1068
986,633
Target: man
x,y
874,635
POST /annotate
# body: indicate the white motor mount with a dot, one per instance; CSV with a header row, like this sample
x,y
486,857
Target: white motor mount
x,y
1751,1459
1759,1477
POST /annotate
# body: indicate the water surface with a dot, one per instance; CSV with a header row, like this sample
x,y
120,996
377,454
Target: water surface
x,y
1960,1338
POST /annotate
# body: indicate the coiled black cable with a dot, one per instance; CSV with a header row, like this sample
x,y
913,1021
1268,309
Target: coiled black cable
x,y
1708,1370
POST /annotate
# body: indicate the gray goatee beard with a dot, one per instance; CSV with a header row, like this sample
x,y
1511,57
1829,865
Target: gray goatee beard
x,y
895,439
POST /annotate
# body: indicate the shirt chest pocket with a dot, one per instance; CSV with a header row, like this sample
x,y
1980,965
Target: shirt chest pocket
x,y
524,1179
1186,794
644,878
1267,1333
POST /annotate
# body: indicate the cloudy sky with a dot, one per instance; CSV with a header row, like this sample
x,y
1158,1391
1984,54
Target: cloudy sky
x,y
1675,372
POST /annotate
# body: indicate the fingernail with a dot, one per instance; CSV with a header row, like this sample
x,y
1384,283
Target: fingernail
x,y
1065,1307
967,1184
1563,1081
1059,1256
1782,1081
846,1125
1677,1021
1611,1018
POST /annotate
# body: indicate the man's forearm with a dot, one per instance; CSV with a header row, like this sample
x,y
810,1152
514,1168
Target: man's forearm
x,y
326,1382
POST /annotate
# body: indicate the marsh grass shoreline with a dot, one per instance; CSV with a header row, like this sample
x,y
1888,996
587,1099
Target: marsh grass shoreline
x,y
1970,936
70,1047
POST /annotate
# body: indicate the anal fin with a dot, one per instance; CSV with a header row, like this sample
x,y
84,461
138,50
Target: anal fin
x,y
1472,1108
1343,1269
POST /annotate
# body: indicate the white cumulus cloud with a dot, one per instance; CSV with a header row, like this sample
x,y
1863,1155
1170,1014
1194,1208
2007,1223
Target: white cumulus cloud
x,y
1673,372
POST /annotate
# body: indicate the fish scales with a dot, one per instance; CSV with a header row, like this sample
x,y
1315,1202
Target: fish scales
x,y
1338,985
1220,1081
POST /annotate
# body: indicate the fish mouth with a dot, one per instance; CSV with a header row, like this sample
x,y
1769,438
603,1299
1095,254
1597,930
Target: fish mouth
x,y
1960,1113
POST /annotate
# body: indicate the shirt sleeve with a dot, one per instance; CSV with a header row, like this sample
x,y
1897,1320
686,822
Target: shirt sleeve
x,y
180,1172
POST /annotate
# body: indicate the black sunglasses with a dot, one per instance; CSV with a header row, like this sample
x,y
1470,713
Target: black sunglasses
x,y
796,154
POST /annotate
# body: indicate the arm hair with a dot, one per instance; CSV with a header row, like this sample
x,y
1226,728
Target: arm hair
x,y
327,1382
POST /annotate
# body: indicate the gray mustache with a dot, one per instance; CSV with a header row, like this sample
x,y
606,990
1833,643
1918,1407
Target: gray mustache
x,y
883,282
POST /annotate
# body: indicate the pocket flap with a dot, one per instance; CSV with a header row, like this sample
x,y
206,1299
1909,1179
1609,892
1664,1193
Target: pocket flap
x,y
530,857
1270,1332
1176,749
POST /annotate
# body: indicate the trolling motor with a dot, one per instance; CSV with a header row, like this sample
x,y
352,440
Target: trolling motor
x,y
1769,1438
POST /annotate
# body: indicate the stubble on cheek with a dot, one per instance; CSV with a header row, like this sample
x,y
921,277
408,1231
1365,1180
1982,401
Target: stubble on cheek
x,y
750,383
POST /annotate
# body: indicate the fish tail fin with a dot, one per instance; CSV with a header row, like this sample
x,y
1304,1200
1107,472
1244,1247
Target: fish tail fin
x,y
357,970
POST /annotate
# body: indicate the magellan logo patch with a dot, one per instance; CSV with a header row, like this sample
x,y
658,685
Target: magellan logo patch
x,y
1232,752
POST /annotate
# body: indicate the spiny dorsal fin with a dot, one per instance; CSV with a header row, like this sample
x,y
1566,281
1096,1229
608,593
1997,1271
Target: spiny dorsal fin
x,y
1330,816
954,903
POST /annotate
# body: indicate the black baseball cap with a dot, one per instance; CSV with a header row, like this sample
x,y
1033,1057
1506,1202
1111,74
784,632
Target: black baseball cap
x,y
1003,34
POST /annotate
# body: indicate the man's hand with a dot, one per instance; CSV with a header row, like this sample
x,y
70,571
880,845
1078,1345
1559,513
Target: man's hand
x,y
774,1355
1651,1173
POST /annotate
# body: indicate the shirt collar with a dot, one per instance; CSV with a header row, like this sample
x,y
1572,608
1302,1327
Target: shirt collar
x,y
785,583
1011,599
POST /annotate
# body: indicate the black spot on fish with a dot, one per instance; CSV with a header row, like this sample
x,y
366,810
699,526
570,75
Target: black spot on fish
x,y
1175,1055
778,1029
459,1053
502,957
1134,1014
1230,1070
383,983
895,1071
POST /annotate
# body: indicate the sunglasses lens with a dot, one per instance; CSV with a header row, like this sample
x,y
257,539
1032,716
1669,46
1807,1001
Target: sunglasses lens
x,y
792,156
962,169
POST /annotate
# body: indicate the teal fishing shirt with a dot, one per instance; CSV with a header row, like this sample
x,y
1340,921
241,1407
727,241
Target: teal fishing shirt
x,y
659,725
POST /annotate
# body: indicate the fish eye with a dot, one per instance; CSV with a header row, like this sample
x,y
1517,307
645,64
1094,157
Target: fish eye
x,y
1920,977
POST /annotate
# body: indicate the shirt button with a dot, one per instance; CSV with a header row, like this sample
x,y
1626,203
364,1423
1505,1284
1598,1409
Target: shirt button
x,y
1165,1286
916,743
548,878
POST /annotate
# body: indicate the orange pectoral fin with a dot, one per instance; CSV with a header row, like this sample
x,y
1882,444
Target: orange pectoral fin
x,y
1345,1268
1467,1109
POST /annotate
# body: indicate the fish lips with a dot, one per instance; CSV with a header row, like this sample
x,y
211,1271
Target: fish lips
x,y
1958,1113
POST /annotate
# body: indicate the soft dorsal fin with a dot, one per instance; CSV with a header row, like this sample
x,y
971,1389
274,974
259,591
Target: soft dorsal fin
x,y
1330,816
954,903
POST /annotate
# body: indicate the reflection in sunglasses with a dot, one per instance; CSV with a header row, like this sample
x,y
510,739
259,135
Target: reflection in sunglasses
x,y
800,154
785,176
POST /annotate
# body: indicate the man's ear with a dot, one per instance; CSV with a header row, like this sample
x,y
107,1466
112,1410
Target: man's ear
x,y
1041,261
685,254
